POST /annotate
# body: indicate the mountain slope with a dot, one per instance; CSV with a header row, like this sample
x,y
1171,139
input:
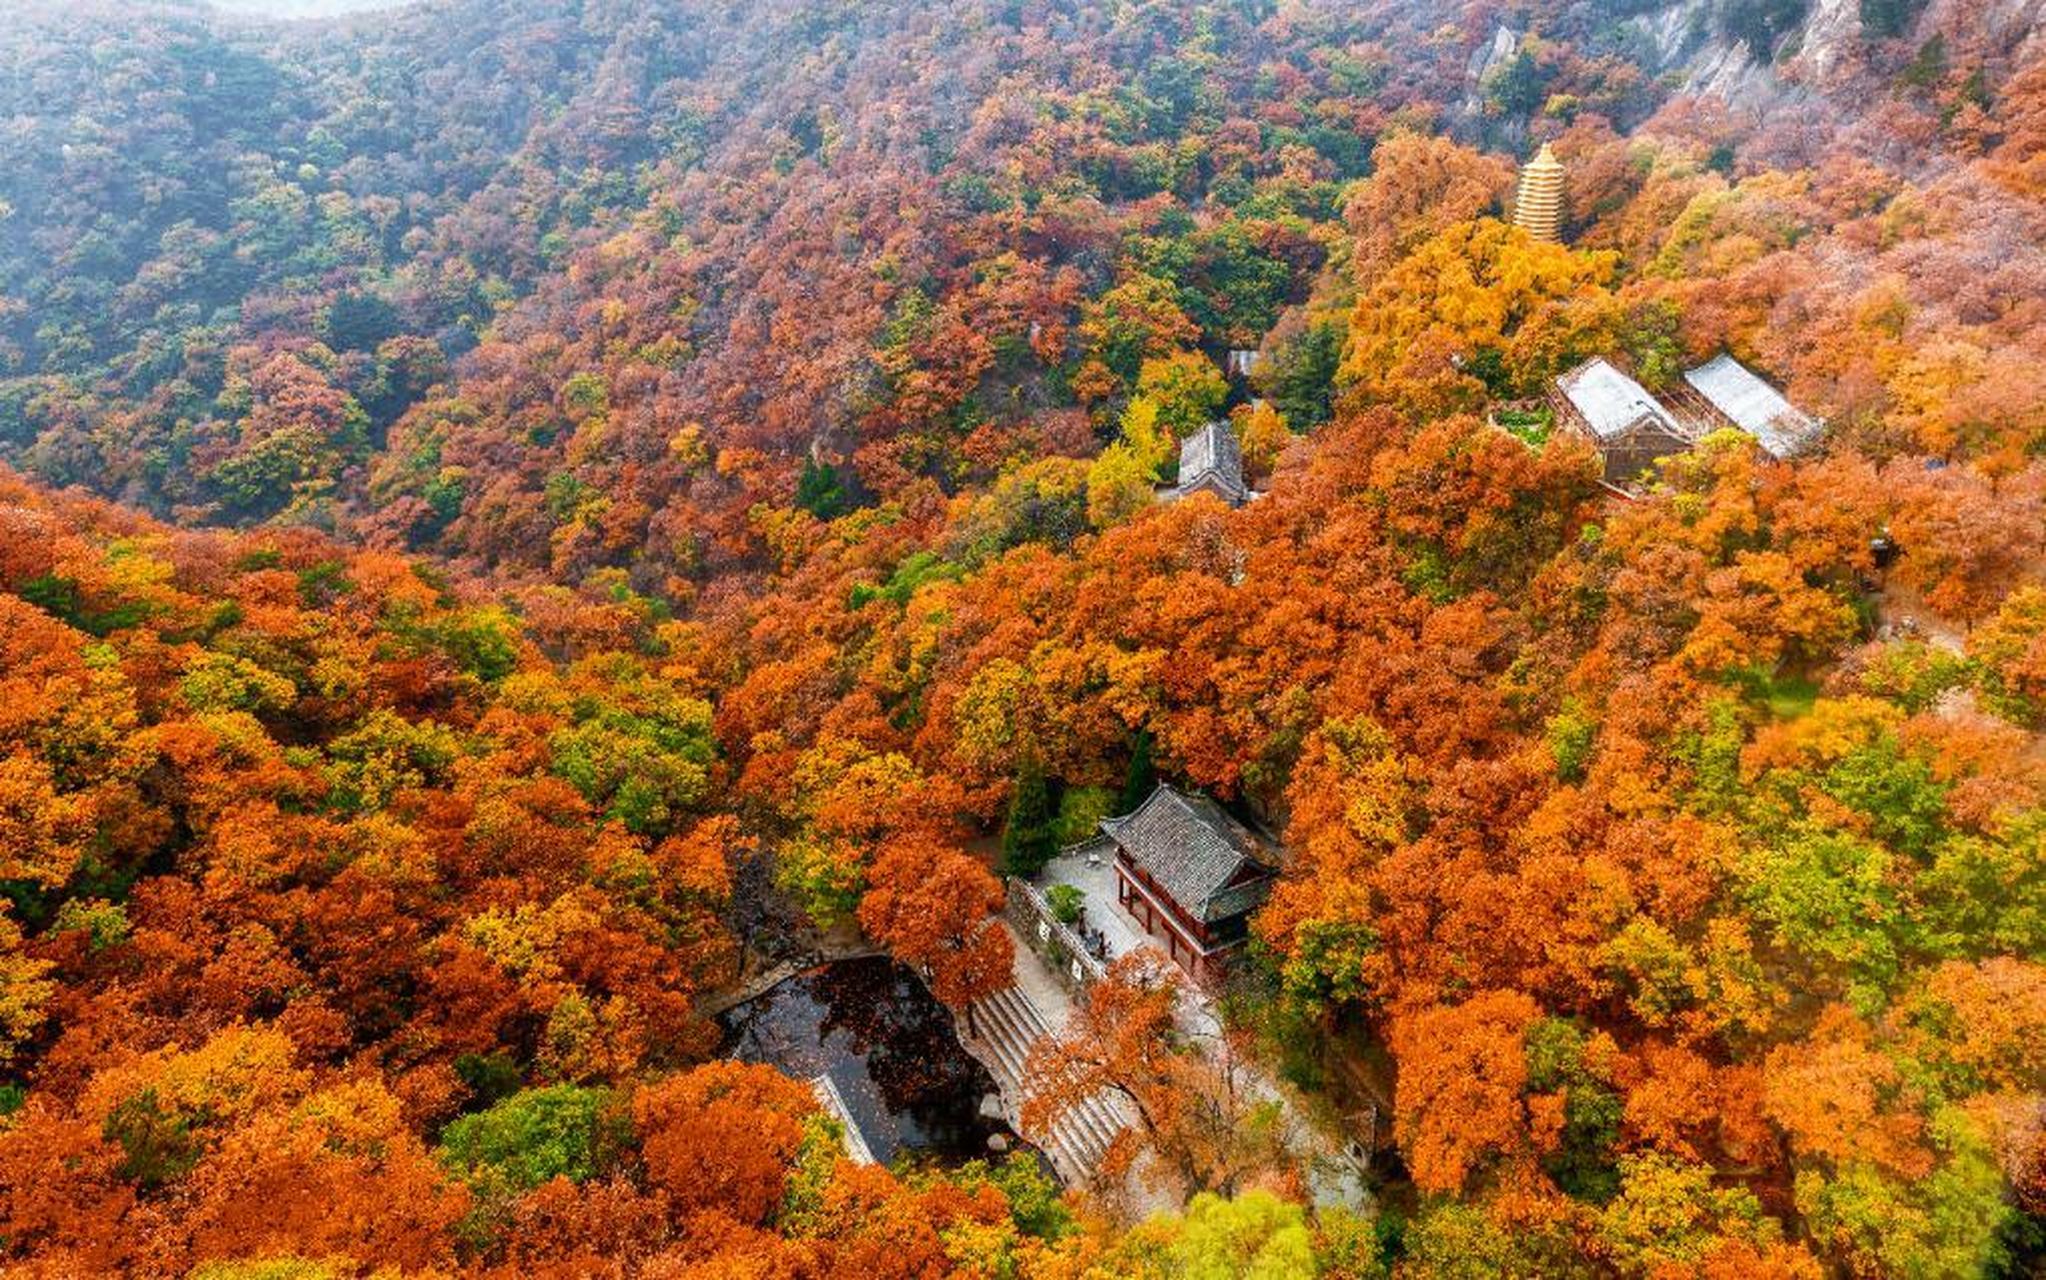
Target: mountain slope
x,y
200,197
700,468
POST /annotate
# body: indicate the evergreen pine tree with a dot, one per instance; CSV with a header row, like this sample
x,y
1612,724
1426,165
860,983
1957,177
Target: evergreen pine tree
x,y
1142,778
1031,839
820,491
1888,19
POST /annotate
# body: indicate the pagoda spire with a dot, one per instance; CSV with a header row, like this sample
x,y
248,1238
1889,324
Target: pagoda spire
x,y
1539,210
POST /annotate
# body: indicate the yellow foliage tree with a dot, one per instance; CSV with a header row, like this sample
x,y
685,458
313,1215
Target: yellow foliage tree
x,y
1478,309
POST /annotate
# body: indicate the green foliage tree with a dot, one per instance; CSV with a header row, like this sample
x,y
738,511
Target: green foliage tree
x,y
1256,1236
1571,735
1519,88
159,1144
1328,966
1583,1163
1888,19
1036,1203
1137,320
820,492
642,753
1081,810
1958,1221
535,1136
490,1077
1141,778
1187,388
1030,839
1929,65
1066,902
1300,377
1229,282
358,321
386,755
1448,1240
1119,485
1668,1213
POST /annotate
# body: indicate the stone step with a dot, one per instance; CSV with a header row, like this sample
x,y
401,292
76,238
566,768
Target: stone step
x,y
1099,1120
1012,1025
1077,1143
1001,1030
1096,1125
1021,1028
1008,1024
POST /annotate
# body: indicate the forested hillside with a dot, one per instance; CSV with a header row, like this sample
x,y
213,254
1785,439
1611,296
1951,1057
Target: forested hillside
x,y
517,510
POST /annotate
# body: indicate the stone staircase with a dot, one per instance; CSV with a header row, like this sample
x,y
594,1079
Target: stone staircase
x,y
1009,1024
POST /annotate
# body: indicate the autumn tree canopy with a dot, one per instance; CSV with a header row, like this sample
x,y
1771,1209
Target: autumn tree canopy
x,y
517,520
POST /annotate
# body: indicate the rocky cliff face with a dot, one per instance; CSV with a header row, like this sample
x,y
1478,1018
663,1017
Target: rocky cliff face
x,y
1701,58
1828,50
1832,37
2014,30
1680,44
1835,50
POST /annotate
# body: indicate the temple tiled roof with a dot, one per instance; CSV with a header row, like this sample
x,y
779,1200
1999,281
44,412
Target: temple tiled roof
x,y
1211,458
1193,849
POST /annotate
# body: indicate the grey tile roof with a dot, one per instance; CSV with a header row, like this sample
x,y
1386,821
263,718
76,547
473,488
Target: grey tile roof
x,y
1612,403
1212,457
1754,406
1193,849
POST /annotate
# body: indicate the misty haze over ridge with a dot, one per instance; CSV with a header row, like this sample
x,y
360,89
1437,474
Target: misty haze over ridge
x,y
304,8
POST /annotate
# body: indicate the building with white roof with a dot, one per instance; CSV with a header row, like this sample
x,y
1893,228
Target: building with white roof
x,y
1739,397
1624,422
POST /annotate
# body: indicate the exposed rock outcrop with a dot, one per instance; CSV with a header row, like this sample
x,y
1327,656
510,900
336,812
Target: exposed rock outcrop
x,y
1691,46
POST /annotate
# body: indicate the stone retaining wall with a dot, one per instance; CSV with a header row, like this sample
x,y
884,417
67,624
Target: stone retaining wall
x,y
1060,948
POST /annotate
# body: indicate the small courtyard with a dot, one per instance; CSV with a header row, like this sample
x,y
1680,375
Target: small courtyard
x,y
1185,841
1091,870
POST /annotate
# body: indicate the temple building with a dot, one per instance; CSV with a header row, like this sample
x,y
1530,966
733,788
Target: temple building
x,y
1734,395
1626,424
1190,875
1539,208
1210,461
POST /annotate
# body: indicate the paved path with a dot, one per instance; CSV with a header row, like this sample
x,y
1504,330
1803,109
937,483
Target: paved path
x,y
833,1102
